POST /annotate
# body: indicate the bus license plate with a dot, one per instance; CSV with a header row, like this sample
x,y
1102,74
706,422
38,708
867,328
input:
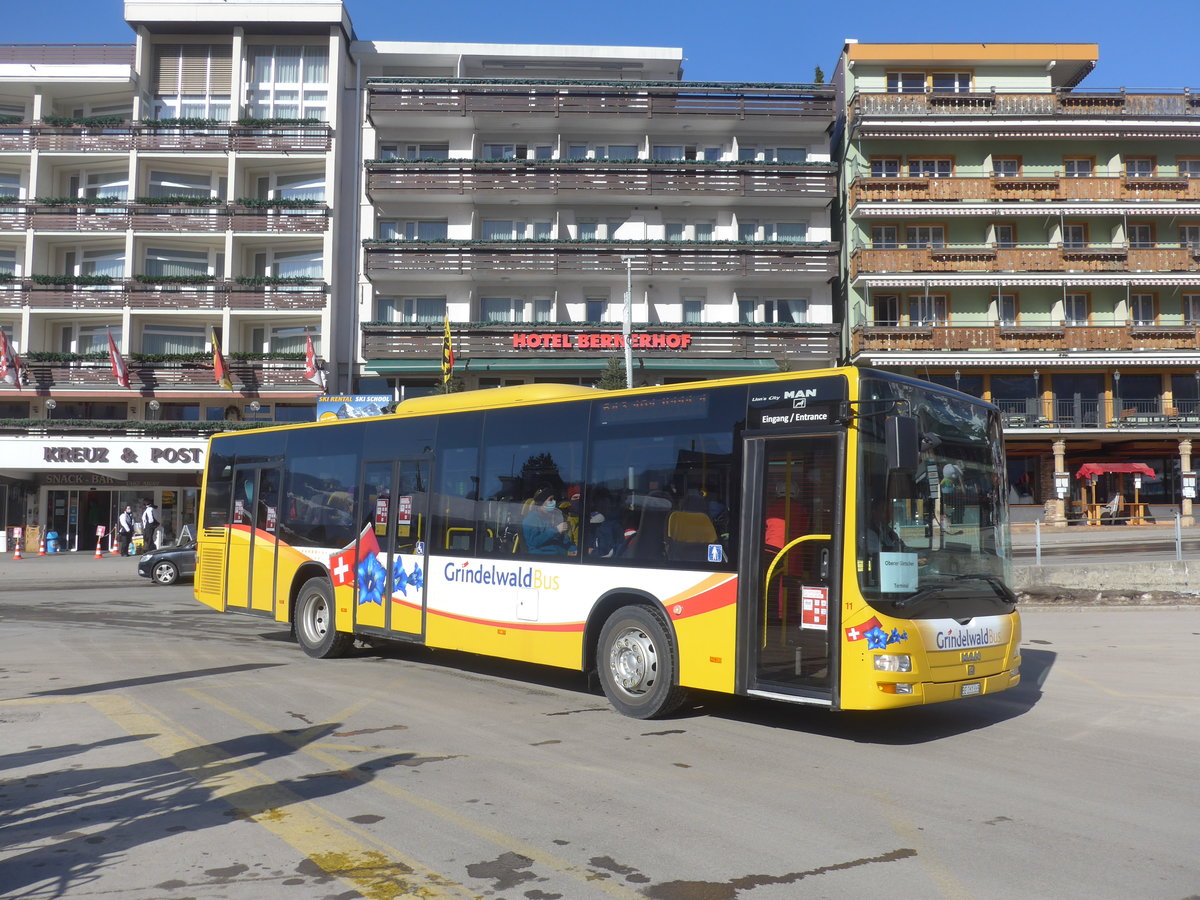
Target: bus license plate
x,y
970,690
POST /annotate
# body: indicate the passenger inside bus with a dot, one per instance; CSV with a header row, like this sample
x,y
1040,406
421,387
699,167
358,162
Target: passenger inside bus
x,y
545,529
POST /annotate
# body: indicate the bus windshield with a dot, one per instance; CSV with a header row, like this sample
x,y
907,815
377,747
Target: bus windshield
x,y
932,538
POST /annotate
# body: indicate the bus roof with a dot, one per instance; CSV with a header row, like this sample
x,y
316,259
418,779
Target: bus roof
x,y
492,397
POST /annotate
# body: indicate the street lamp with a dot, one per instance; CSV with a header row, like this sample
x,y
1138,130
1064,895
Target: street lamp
x,y
627,320
51,403
957,379
153,406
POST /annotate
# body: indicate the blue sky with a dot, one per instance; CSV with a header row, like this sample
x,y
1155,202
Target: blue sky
x,y
761,40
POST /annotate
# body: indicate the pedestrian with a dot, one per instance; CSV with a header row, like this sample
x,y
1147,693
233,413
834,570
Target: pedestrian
x,y
149,525
125,523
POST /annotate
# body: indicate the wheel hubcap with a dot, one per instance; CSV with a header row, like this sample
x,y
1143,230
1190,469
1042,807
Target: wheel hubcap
x,y
633,661
317,611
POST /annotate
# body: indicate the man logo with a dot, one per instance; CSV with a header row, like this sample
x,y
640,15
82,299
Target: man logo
x,y
972,656
808,392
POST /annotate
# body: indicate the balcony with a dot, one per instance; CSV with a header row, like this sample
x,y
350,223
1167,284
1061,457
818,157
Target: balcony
x,y
237,295
147,378
799,343
162,217
385,259
1064,104
961,258
387,97
118,139
1038,188
1099,412
402,180
1050,337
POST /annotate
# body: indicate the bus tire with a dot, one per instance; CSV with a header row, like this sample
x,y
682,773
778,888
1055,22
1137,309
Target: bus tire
x,y
635,659
313,620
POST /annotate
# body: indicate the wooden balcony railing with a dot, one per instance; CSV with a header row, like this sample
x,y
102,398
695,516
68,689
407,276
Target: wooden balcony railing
x,y
1046,188
559,98
123,138
137,295
1025,258
386,258
1058,337
1062,103
796,342
406,179
1099,412
247,375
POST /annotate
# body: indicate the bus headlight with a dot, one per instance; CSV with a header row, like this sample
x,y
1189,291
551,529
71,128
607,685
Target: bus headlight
x,y
893,662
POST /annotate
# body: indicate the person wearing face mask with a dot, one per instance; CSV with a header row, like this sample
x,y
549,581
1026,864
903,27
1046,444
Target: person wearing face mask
x,y
546,530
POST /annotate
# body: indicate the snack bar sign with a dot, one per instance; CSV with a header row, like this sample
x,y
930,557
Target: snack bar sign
x,y
564,340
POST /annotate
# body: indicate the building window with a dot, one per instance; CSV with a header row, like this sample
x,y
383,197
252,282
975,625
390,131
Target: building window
x,y
288,82
96,185
1189,167
1141,235
601,151
1004,234
925,236
514,230
885,237
1075,309
8,262
413,230
930,168
435,150
1139,166
1006,166
412,310
543,309
595,309
886,309
1075,236
95,262
1077,166
164,337
770,311
778,232
193,81
927,309
950,82
1189,237
906,82
693,310
680,231
76,337
1141,309
173,263
667,152
1191,309
753,153
501,309
183,184
1006,308
885,167
284,339
291,264
308,186
10,185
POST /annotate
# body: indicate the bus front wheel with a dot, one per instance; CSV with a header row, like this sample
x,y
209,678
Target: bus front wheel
x,y
636,663
314,622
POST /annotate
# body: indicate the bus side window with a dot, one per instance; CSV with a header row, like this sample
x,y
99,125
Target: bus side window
x,y
455,500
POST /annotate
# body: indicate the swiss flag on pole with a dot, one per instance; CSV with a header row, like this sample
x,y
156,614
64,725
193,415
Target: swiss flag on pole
x,y
344,563
120,372
311,371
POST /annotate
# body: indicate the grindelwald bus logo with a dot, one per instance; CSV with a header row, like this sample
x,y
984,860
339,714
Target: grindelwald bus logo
x,y
965,638
520,577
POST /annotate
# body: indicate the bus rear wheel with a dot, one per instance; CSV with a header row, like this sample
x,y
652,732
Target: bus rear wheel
x,y
313,620
636,662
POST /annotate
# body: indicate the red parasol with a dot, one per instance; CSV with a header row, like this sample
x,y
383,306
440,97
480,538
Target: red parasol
x,y
1087,470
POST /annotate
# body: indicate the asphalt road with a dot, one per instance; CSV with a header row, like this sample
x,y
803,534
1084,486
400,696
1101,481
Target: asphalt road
x,y
155,749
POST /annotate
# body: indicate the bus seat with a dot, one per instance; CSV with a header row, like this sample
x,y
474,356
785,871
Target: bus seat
x,y
688,536
650,540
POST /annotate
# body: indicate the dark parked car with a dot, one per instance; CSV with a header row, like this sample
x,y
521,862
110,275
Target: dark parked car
x,y
168,564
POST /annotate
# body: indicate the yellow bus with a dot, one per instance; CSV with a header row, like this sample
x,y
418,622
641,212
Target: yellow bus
x,y
837,537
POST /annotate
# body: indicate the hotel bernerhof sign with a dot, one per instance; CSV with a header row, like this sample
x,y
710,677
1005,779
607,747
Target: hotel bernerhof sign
x,y
42,453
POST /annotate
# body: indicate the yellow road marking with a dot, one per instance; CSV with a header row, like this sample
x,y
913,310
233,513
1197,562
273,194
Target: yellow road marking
x,y
371,867
506,841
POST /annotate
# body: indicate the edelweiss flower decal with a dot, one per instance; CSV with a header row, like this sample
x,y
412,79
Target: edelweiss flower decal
x,y
371,577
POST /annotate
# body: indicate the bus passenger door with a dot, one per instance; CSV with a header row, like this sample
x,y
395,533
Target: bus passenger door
x,y
253,537
396,493
790,579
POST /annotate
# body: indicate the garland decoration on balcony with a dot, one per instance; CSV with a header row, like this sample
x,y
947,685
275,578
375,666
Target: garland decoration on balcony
x,y
178,200
623,162
174,279
24,426
623,86
11,120
79,201
46,357
290,203
70,280
273,121
87,121
185,122
265,280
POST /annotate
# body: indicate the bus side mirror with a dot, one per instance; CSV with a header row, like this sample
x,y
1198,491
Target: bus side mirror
x,y
903,443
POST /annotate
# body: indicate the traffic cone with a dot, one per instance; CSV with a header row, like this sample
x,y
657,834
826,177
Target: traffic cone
x,y
114,548
99,555
42,547
17,550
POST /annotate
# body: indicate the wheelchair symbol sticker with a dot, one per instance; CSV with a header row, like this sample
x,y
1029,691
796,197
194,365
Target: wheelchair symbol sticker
x,y
420,548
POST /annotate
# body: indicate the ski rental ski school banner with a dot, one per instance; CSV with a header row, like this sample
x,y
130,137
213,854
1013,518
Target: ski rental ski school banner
x,y
355,407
